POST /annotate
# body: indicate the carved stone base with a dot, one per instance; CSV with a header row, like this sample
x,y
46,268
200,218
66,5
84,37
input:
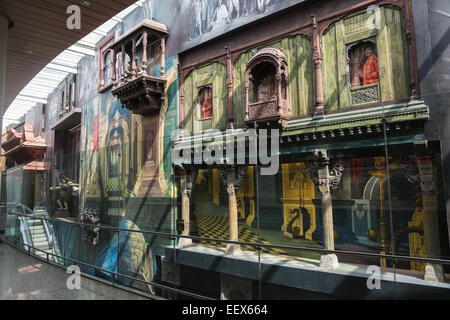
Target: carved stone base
x,y
329,261
233,249
434,272
184,243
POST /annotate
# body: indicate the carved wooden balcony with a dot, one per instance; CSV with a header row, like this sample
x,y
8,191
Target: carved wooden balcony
x,y
141,95
268,102
140,86
24,147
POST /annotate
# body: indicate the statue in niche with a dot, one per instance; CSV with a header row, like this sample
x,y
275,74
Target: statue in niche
x,y
266,90
363,64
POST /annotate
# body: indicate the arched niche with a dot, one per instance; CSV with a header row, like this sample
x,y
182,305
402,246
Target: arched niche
x,y
268,102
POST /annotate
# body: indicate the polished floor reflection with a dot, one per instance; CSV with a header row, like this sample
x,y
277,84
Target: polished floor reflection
x,y
23,277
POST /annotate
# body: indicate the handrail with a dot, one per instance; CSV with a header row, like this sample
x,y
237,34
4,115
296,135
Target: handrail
x,y
256,245
51,240
25,230
115,274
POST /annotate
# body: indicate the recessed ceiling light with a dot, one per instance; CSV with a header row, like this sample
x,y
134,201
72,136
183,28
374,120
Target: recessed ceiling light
x,y
28,51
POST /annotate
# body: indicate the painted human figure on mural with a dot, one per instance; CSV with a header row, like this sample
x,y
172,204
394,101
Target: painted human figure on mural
x,y
206,103
222,15
197,17
265,89
248,7
203,16
363,64
211,9
233,8
261,5
369,71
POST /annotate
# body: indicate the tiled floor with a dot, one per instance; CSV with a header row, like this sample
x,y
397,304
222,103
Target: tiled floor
x,y
23,277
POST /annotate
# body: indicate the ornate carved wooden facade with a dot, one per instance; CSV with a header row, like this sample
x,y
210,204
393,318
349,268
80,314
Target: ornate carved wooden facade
x,y
268,73
136,89
24,147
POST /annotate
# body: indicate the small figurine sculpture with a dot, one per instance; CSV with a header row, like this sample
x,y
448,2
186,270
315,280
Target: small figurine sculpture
x,y
64,190
91,216
265,89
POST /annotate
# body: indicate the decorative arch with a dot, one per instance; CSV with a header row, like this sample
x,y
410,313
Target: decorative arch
x,y
268,72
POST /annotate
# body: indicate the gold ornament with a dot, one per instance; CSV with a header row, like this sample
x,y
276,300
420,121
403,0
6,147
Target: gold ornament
x,y
372,235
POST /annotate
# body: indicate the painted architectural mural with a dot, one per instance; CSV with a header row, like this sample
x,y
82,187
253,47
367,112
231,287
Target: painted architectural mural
x,y
357,170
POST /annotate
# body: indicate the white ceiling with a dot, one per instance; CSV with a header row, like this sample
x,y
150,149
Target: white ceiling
x,y
38,89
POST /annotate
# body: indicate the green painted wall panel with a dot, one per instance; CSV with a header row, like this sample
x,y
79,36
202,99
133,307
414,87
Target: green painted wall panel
x,y
392,52
330,70
213,74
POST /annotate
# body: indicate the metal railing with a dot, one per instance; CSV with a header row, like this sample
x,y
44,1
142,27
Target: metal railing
x,y
172,236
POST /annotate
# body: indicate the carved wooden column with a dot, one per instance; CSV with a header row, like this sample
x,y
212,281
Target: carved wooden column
x,y
324,178
163,56
133,60
317,58
187,183
144,53
433,272
113,68
122,67
233,176
230,88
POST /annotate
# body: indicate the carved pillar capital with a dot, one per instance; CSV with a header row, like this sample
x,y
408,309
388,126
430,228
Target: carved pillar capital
x,y
189,178
325,178
426,175
324,174
232,176
409,169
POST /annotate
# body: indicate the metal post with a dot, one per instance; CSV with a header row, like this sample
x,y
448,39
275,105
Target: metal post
x,y
118,255
4,25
